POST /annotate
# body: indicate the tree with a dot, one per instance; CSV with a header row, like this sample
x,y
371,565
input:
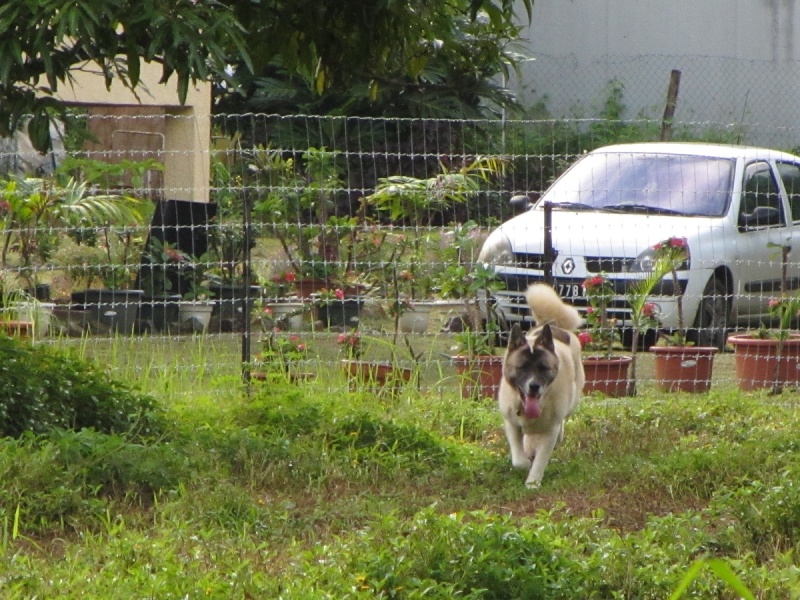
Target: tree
x,y
422,58
42,42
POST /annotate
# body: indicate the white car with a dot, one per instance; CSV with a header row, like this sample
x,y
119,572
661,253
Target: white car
x,y
736,206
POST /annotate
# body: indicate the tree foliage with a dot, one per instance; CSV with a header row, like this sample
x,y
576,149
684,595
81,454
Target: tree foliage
x,y
423,58
417,57
43,42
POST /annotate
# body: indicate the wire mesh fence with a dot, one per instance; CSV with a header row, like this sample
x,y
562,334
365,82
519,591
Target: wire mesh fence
x,y
328,239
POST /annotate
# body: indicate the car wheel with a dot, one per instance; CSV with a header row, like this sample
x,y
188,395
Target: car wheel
x,y
711,323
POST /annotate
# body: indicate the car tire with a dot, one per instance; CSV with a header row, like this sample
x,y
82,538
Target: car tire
x,y
711,322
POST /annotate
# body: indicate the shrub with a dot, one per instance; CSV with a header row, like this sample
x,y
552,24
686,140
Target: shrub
x,y
44,389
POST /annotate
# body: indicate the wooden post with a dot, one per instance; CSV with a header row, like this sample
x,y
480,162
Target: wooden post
x,y
669,109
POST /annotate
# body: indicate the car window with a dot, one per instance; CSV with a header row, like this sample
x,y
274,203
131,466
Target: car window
x,y
690,185
790,177
760,190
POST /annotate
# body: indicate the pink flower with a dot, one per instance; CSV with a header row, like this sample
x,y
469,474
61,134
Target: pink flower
x,y
649,309
339,294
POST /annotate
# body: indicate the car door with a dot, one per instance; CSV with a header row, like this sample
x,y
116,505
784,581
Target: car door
x,y
761,231
789,174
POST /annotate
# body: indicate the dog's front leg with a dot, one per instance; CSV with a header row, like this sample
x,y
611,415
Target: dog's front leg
x,y
514,436
542,445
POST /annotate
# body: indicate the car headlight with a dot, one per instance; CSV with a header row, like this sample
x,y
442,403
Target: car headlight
x,y
646,260
497,250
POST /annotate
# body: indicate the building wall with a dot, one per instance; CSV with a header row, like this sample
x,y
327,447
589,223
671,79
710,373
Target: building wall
x,y
739,60
151,122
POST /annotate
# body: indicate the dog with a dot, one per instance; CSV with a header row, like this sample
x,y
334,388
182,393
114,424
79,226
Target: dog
x,y
542,381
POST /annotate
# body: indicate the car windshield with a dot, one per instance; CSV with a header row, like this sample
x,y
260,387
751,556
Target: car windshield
x,y
639,182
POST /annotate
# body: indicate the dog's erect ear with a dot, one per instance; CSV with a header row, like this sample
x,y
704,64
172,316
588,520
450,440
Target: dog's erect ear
x,y
516,338
545,339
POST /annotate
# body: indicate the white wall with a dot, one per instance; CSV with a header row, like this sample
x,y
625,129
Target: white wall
x,y
739,59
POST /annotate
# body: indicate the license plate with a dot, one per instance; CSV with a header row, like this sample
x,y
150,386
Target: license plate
x,y
569,290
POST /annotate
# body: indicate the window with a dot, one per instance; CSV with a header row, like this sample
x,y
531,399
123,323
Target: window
x,y
760,191
790,176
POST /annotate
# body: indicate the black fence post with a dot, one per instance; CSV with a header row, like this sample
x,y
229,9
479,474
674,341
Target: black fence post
x,y
247,232
549,254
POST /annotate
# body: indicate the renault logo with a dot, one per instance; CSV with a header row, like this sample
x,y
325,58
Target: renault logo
x,y
568,266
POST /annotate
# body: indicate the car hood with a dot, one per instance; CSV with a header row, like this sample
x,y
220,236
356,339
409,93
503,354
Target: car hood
x,y
596,233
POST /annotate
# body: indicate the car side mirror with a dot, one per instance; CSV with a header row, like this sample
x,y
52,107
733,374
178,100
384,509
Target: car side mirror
x,y
761,216
522,202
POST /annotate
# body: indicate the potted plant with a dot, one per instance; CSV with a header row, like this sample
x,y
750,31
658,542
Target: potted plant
x,y
283,357
226,276
606,372
679,364
769,358
477,364
115,305
162,263
298,209
38,209
416,202
11,294
280,307
196,305
379,377
334,308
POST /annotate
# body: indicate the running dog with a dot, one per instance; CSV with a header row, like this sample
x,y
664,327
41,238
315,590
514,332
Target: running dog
x,y
542,381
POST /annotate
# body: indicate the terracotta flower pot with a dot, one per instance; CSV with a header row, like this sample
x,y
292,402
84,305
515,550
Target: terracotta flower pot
x,y
480,375
758,365
683,368
17,328
306,287
364,375
609,376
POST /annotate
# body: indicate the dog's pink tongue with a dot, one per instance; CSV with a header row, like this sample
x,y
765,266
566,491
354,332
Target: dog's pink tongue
x,y
532,410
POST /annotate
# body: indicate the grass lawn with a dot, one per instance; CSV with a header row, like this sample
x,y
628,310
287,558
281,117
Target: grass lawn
x,y
312,491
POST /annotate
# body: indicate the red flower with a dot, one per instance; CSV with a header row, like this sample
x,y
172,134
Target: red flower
x,y
174,255
339,294
649,309
289,277
593,283
584,337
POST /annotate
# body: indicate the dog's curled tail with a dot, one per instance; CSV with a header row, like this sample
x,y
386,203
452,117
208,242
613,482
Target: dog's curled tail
x,y
548,307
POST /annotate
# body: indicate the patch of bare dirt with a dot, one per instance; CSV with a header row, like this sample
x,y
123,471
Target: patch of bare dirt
x,y
622,510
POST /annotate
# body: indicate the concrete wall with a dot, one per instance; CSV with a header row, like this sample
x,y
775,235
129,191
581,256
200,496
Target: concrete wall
x,y
739,60
186,129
